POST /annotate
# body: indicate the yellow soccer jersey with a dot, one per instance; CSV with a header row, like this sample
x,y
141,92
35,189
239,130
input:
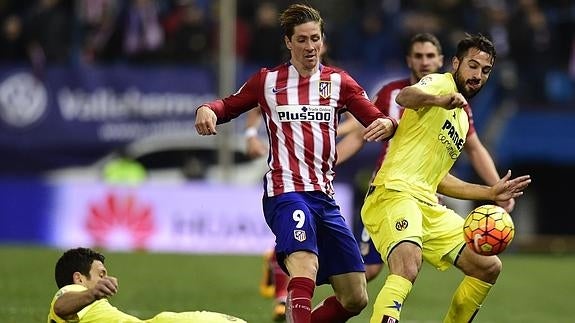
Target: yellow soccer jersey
x,y
426,144
197,317
99,311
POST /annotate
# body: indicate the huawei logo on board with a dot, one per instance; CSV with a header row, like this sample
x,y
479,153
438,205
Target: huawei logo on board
x,y
120,221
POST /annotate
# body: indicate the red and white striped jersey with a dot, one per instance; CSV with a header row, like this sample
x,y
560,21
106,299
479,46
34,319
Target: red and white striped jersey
x,y
301,115
385,102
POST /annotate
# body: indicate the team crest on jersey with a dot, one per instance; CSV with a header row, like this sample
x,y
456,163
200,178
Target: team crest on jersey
x,y
425,80
325,89
401,224
299,235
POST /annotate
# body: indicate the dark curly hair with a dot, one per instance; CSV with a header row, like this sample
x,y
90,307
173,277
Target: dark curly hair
x,y
475,41
75,260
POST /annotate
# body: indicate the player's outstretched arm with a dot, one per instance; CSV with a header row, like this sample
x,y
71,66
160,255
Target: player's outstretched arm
x,y
412,97
503,190
206,121
70,303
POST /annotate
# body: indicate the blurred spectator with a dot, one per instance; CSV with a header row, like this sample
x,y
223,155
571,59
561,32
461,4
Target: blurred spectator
x,y
529,37
266,46
368,33
187,33
143,34
12,39
48,26
243,35
99,31
367,41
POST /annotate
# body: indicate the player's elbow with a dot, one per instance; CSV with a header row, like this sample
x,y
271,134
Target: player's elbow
x,y
400,99
62,311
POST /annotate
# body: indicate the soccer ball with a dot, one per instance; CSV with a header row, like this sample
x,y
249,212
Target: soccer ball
x,y
488,230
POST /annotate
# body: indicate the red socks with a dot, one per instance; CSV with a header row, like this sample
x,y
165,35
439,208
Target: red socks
x,y
281,280
331,311
298,306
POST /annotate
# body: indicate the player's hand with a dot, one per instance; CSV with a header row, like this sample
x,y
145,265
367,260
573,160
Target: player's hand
x,y
506,188
508,205
255,148
455,100
206,121
379,130
105,287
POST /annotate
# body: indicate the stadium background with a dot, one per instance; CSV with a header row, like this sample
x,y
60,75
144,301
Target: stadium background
x,y
81,81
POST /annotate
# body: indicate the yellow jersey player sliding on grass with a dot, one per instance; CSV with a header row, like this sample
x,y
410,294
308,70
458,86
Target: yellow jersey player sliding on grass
x,y
84,288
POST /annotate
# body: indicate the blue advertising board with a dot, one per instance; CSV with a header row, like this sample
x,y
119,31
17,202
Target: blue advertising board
x,y
73,111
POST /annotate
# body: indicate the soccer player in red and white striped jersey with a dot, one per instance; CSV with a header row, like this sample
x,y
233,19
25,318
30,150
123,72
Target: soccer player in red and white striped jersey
x,y
300,103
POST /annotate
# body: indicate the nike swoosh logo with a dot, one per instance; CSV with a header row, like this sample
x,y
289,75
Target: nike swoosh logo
x,y
274,90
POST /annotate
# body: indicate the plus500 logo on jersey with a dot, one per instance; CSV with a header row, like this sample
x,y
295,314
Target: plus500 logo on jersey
x,y
317,113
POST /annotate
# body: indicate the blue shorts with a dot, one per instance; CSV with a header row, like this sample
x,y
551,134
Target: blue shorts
x,y
370,255
312,221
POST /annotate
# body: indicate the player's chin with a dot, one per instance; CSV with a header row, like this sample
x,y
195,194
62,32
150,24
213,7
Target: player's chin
x,y
471,92
311,60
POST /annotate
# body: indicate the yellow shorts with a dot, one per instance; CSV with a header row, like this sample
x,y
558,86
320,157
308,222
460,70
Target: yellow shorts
x,y
392,217
196,317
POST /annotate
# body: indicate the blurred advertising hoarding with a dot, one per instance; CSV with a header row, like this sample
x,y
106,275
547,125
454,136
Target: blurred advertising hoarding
x,y
195,217
67,115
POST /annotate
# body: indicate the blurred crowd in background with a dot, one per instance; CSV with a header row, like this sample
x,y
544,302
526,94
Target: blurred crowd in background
x,y
535,39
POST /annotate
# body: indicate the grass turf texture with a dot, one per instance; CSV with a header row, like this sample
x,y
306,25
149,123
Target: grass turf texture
x,y
532,288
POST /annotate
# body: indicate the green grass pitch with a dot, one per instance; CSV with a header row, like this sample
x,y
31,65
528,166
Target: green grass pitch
x,y
532,288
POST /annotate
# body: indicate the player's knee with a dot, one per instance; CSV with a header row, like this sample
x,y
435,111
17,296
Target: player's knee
x,y
487,270
355,301
406,261
302,263
493,269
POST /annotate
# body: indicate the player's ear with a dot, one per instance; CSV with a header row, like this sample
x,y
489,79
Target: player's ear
x,y
455,63
408,61
440,61
78,278
288,42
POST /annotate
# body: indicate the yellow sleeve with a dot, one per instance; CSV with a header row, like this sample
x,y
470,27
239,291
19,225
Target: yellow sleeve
x,y
52,317
433,83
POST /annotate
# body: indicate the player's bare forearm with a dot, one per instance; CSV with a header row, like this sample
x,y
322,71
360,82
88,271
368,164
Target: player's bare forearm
x,y
349,125
413,98
459,189
70,303
253,118
504,190
349,145
481,160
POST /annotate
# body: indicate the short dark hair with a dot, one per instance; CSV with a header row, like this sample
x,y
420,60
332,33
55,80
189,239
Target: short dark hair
x,y
424,38
75,260
298,14
475,41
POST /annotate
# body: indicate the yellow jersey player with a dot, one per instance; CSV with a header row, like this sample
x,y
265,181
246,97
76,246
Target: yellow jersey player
x,y
402,213
84,288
